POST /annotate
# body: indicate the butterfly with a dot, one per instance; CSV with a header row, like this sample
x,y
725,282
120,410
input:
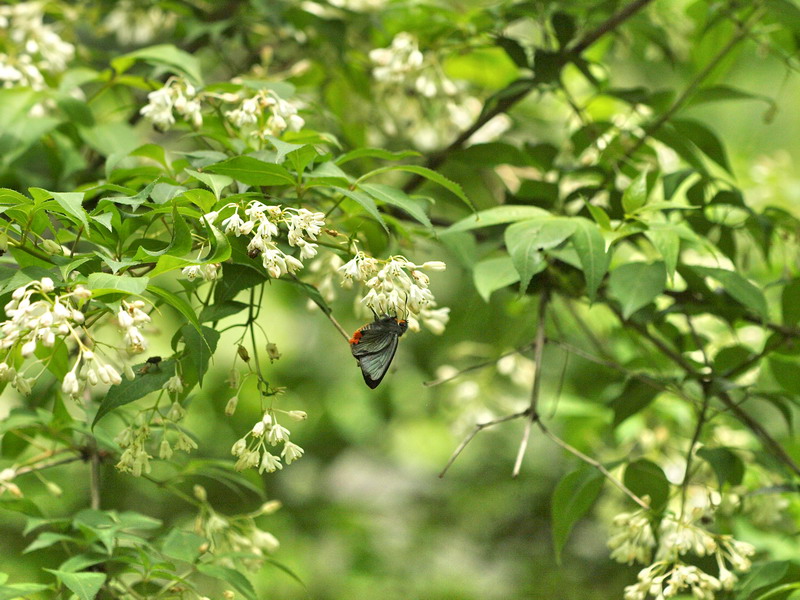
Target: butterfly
x,y
374,346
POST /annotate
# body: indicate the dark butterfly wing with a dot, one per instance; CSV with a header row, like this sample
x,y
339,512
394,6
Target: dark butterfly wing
x,y
370,339
374,365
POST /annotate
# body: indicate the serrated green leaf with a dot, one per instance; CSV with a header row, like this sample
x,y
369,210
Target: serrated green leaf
x,y
591,250
379,153
398,198
366,202
131,390
493,274
668,243
738,287
428,174
635,195
645,478
200,346
636,284
84,585
498,215
727,465
572,499
527,239
215,182
104,283
72,203
178,303
183,545
252,171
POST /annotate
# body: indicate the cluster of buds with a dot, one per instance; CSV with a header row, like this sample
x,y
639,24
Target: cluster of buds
x,y
669,575
262,223
265,114
177,95
253,449
397,287
236,535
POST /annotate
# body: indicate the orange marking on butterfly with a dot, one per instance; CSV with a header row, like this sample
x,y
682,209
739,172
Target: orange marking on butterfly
x,y
356,337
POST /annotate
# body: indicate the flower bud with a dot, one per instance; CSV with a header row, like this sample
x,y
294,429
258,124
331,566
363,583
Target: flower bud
x,y
200,493
230,407
52,247
297,415
434,265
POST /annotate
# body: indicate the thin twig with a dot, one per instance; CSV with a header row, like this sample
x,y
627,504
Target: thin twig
x,y
480,365
592,462
478,428
49,465
538,352
94,488
701,420
609,25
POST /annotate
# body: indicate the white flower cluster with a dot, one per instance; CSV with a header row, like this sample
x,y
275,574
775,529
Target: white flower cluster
x,y
266,113
262,222
669,575
397,287
177,95
136,25
130,318
359,5
35,315
252,450
206,272
406,76
33,48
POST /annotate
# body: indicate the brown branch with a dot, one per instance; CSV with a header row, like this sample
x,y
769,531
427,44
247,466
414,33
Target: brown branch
x,y
508,97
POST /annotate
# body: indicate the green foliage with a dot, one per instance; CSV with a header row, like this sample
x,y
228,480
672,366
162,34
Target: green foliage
x,y
621,238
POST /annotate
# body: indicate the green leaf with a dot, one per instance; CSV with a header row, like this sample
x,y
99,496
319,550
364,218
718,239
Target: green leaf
x,y
220,310
398,198
215,182
498,215
591,249
236,278
104,283
234,578
72,203
47,539
493,274
672,181
20,590
645,478
252,171
181,241
760,576
379,153
636,396
200,346
790,302
727,465
84,585
668,243
636,284
738,287
131,390
635,195
165,55
313,294
572,499
182,545
527,239
365,201
705,139
178,303
427,174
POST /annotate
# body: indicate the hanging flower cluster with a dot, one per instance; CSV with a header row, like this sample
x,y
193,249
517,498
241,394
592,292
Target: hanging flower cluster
x,y
421,102
262,222
265,114
253,449
397,287
177,95
669,575
135,25
32,48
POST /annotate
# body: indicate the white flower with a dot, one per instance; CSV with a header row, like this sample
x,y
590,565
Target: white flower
x,y
291,452
269,463
277,433
159,108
